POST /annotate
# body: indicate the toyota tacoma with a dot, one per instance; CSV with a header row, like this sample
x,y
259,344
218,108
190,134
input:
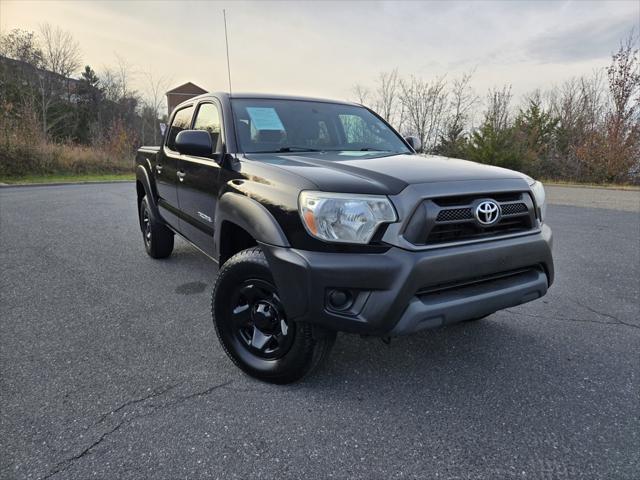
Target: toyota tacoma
x,y
322,218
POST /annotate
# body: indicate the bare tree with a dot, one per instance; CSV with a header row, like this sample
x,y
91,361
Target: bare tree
x,y
424,103
48,96
110,85
457,118
123,74
400,120
593,101
362,94
497,114
60,51
61,57
578,105
386,100
463,100
624,82
115,81
154,101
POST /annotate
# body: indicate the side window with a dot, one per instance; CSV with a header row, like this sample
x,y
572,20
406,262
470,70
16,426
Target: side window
x,y
208,118
181,121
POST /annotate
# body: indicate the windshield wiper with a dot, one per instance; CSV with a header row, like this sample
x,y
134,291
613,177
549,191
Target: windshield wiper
x,y
298,149
364,149
289,149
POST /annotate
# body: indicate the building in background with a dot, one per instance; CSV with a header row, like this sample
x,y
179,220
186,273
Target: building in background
x,y
182,93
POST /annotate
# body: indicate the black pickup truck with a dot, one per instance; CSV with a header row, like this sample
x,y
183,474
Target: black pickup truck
x,y
322,218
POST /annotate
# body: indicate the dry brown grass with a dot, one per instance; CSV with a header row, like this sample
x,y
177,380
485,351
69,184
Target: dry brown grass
x,y
22,158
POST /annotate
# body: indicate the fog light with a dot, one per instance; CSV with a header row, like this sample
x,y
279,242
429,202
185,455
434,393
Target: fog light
x,y
339,299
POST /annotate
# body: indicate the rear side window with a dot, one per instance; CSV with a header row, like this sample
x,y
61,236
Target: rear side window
x,y
181,121
208,118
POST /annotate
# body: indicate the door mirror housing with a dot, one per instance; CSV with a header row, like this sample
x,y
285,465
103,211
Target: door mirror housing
x,y
414,142
194,142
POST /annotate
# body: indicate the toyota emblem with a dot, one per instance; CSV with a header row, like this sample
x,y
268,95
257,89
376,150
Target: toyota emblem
x,y
487,212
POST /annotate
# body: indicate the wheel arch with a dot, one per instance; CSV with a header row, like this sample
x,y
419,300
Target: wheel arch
x,y
239,217
145,187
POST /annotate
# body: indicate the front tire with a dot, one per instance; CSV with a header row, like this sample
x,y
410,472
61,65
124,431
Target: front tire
x,y
253,328
158,239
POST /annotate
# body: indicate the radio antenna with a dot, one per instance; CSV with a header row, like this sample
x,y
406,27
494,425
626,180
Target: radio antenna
x,y
226,39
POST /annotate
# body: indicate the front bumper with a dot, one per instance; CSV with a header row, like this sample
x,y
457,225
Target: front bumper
x,y
400,292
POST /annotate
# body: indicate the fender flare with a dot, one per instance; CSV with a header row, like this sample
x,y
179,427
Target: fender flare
x,y
249,215
143,177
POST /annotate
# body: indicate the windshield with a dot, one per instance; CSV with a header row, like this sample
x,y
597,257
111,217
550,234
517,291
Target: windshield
x,y
266,126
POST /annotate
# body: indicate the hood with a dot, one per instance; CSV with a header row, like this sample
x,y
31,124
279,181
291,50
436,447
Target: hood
x,y
376,173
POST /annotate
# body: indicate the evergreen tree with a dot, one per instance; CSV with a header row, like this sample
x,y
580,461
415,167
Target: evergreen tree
x,y
535,132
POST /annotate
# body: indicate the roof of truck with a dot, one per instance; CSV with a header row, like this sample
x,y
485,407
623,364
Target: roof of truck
x,y
271,96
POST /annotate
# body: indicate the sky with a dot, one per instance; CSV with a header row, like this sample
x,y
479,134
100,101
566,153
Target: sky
x,y
324,48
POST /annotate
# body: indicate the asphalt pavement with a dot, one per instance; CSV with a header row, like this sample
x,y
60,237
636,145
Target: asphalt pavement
x,y
110,369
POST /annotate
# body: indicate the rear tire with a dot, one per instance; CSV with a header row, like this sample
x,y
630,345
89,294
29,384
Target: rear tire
x,y
158,239
253,329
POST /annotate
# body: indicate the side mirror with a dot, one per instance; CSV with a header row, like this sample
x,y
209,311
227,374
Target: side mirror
x,y
194,142
414,142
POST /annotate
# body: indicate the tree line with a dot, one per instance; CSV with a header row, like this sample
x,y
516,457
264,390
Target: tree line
x,y
586,129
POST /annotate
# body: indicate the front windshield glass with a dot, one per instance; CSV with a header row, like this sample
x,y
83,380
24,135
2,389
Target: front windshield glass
x,y
275,125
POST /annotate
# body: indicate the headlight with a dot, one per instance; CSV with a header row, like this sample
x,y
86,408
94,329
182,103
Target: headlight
x,y
540,197
340,217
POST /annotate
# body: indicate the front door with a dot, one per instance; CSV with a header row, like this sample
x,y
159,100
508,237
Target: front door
x,y
198,181
166,169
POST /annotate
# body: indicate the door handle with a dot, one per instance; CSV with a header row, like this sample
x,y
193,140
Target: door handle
x,y
181,175
159,169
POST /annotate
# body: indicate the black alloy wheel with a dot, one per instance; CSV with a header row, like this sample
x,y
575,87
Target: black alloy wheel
x,y
259,321
146,225
158,239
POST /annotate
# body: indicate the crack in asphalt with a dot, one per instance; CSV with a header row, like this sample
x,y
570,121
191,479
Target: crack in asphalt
x,y
68,462
552,317
616,320
602,314
202,393
153,394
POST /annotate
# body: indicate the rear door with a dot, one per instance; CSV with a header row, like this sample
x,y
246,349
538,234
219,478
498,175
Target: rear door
x,y
198,180
166,168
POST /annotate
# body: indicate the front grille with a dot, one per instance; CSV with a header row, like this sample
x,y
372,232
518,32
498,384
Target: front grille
x,y
451,219
514,208
469,230
454,214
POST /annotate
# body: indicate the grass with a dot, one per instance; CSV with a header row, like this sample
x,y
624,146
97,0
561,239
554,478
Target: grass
x,y
610,186
67,178
25,162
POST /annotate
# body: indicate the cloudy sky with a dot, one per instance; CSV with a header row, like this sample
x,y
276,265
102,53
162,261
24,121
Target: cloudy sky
x,y
323,48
